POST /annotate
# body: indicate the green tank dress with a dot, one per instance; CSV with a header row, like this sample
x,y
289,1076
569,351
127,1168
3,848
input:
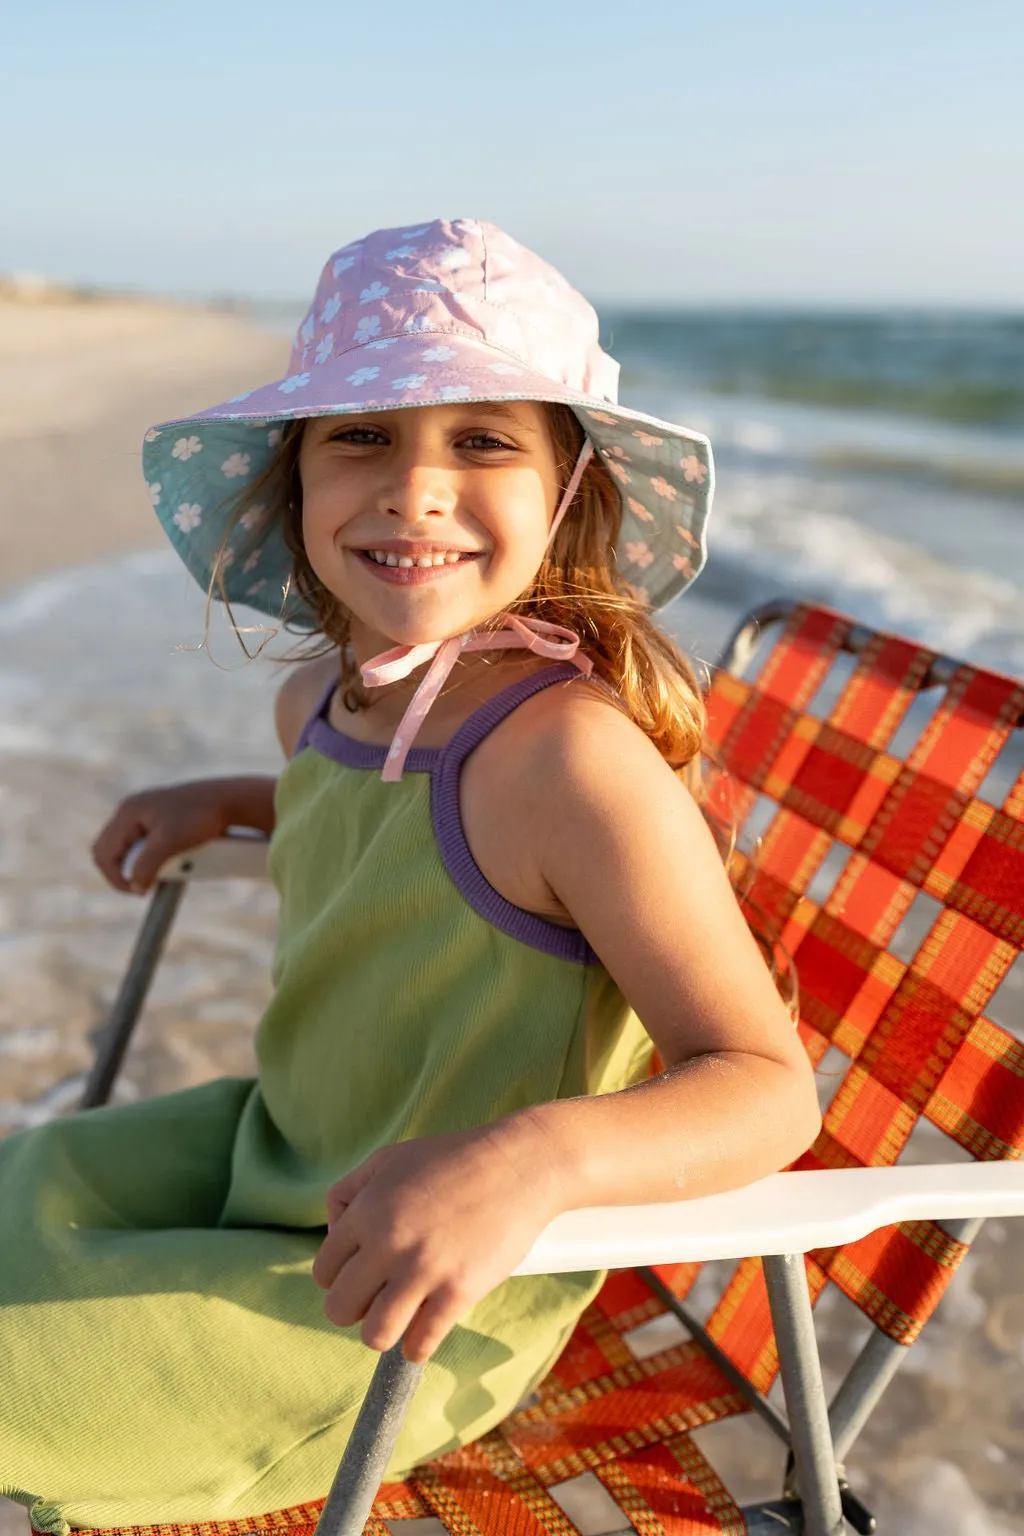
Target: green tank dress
x,y
164,1355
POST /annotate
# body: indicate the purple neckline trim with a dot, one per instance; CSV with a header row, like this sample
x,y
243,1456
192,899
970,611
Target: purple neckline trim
x,y
445,765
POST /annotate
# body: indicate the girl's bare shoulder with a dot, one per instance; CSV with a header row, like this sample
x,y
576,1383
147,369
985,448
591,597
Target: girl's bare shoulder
x,y
534,767
565,729
299,695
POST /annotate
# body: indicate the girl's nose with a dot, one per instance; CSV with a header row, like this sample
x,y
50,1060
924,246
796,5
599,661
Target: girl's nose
x,y
418,491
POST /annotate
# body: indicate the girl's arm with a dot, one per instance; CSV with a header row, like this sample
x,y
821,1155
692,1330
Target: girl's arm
x,y
626,851
171,819
423,1229
175,817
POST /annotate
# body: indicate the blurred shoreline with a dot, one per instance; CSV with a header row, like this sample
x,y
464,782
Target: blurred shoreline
x,y
81,378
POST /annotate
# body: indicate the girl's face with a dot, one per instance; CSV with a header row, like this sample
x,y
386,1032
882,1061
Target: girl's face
x,y
427,521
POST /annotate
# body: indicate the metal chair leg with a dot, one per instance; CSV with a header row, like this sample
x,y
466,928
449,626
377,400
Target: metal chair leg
x,y
806,1408
347,1506
156,925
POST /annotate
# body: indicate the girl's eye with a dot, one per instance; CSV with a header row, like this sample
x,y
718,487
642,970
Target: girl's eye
x,y
358,435
485,440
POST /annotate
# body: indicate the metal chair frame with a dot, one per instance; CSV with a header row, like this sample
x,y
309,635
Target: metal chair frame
x,y
816,1500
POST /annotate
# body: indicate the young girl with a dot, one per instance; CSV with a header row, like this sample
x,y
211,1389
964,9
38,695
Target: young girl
x,y
496,893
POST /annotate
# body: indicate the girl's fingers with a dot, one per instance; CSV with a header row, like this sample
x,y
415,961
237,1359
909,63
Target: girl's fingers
x,y
389,1315
142,860
342,1194
110,847
338,1247
433,1322
355,1287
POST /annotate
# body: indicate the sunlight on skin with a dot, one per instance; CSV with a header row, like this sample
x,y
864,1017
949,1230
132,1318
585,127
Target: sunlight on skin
x,y
480,479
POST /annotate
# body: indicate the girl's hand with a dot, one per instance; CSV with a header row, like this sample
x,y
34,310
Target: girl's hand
x,y
168,821
420,1231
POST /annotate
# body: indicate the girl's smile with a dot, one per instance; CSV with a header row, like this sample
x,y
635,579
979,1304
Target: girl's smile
x,y
410,562
428,521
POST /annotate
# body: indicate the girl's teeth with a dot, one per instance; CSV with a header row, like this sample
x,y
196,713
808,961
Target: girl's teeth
x,y
424,562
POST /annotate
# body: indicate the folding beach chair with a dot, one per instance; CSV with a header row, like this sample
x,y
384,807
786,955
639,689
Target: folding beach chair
x,y
883,785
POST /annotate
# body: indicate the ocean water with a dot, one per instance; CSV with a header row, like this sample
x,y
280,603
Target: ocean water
x,y
875,463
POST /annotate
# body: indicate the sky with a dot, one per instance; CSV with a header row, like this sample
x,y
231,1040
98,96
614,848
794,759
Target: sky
x,y
824,153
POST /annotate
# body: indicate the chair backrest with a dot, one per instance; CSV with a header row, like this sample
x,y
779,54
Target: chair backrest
x,y
879,793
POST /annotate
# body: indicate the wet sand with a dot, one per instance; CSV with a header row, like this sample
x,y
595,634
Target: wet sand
x,y
122,708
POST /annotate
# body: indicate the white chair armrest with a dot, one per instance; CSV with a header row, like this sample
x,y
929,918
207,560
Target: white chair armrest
x,y
240,855
786,1213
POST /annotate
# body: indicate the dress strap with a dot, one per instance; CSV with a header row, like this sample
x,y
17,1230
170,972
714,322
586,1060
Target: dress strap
x,y
317,714
528,927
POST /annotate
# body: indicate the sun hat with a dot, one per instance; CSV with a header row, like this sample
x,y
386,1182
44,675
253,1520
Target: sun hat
x,y
447,311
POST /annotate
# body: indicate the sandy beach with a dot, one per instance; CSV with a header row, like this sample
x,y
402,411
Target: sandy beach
x,y
98,698
79,385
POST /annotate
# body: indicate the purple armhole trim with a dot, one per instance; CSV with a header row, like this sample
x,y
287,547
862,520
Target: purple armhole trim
x,y
323,738
563,943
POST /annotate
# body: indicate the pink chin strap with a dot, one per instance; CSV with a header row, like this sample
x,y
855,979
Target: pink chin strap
x,y
515,634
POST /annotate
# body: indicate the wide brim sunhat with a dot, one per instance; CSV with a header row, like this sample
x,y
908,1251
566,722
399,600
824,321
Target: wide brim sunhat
x,y
449,311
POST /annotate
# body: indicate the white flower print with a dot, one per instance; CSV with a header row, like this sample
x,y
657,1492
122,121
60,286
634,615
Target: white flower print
x,y
693,469
224,559
378,346
185,447
619,453
648,439
152,435
615,468
324,347
609,421
363,375
250,518
419,323
454,259
640,511
252,561
639,553
505,368
414,234
154,488
307,328
663,488
188,516
454,392
682,563
687,536
409,381
641,594
429,285
274,436
236,466
398,252
329,311
342,264
257,586
237,399
374,292
438,354
369,325
293,382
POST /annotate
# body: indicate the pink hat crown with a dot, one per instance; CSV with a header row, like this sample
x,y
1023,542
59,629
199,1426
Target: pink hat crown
x,y
457,277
